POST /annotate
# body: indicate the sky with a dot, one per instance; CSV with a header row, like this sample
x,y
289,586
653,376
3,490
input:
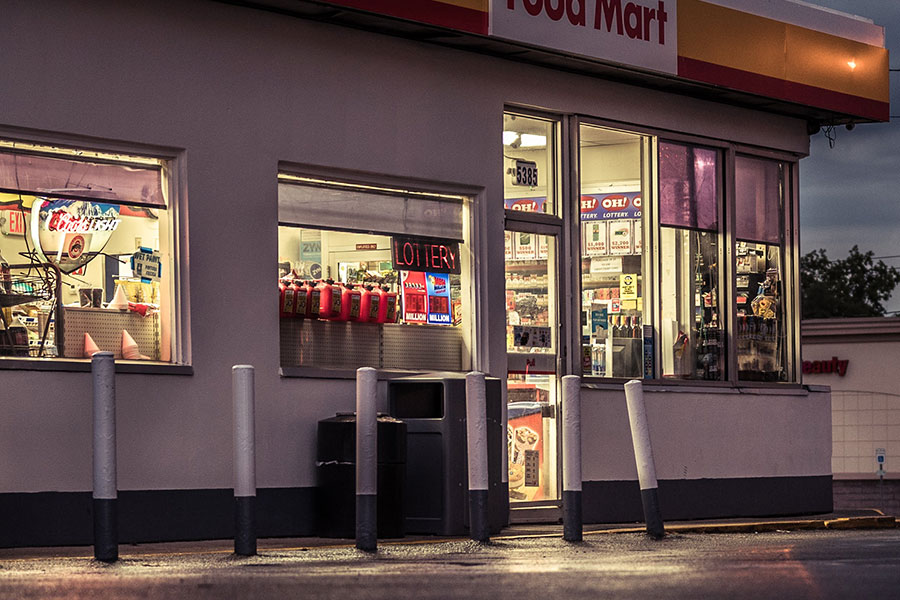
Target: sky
x,y
850,194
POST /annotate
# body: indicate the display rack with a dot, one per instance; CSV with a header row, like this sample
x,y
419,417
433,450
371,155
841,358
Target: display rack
x,y
25,289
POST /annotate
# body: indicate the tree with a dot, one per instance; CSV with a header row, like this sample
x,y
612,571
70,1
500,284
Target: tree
x,y
853,287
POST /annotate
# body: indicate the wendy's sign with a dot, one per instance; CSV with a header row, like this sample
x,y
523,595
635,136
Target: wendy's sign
x,y
425,254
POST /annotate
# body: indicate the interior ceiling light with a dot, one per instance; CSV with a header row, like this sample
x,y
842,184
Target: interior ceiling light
x,y
509,137
851,64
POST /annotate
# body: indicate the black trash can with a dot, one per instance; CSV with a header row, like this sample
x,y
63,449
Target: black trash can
x,y
336,476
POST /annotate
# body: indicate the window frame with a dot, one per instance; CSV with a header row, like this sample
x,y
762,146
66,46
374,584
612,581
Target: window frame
x,y
727,247
471,246
173,170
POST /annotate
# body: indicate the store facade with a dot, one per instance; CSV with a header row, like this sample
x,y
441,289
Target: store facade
x,y
624,207
854,357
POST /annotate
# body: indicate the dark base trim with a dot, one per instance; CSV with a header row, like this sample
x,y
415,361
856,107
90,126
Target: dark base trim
x,y
65,518
685,499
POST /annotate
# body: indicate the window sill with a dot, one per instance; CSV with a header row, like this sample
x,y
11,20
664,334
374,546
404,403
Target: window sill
x,y
383,374
707,387
72,365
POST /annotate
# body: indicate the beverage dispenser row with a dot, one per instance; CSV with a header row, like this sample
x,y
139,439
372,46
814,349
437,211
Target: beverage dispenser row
x,y
326,300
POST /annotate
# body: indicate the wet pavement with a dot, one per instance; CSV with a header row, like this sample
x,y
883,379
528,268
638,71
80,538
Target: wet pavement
x,y
789,559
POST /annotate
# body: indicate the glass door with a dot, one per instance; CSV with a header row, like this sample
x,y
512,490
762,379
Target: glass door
x,y
532,345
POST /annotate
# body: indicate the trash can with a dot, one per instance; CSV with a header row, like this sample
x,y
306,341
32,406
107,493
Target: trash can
x,y
336,476
437,490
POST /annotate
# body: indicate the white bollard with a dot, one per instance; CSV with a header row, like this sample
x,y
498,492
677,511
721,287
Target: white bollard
x,y
366,460
242,377
643,456
476,443
571,413
105,495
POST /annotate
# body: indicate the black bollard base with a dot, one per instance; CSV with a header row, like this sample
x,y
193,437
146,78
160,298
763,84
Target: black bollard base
x,y
479,528
245,525
367,522
106,529
572,520
652,514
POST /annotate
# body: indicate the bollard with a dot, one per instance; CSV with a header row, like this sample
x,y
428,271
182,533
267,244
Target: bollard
x,y
105,495
366,460
476,438
643,456
571,413
242,378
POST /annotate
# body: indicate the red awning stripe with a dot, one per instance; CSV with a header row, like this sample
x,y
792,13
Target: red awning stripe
x,y
772,87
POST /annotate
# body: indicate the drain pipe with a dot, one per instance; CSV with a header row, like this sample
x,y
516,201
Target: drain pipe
x,y
643,456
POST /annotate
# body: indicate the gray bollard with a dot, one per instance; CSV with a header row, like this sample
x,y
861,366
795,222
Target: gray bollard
x,y
571,413
643,456
105,495
366,460
242,377
476,442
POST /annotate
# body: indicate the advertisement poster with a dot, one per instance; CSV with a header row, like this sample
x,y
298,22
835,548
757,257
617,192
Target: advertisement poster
x,y
438,289
620,241
595,238
508,253
526,451
415,303
525,246
525,204
608,207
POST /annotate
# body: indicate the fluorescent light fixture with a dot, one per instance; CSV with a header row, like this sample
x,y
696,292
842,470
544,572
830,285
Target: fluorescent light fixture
x,y
509,137
529,140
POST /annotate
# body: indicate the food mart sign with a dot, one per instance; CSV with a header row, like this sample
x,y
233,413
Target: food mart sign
x,y
639,33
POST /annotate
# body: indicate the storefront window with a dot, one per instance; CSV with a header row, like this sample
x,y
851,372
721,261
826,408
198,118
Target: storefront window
x,y
369,276
759,266
530,164
690,336
612,246
88,264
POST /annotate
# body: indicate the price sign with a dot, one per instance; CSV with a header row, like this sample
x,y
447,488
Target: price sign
x,y
526,173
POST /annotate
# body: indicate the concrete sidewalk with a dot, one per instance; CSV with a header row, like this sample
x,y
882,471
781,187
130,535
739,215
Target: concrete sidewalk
x,y
859,519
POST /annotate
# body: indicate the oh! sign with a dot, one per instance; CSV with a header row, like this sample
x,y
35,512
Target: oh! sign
x,y
425,254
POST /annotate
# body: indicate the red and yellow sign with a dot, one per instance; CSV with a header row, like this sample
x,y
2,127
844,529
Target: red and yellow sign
x,y
741,51
706,43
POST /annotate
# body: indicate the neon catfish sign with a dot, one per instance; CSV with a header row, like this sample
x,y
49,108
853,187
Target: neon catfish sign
x,y
640,33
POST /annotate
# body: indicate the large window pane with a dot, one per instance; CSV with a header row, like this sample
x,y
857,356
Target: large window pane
x,y
529,164
762,332
370,276
612,247
88,255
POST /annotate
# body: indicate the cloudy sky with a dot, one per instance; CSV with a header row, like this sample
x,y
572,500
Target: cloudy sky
x,y
850,194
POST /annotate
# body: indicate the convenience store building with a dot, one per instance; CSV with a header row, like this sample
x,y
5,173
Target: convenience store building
x,y
530,189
